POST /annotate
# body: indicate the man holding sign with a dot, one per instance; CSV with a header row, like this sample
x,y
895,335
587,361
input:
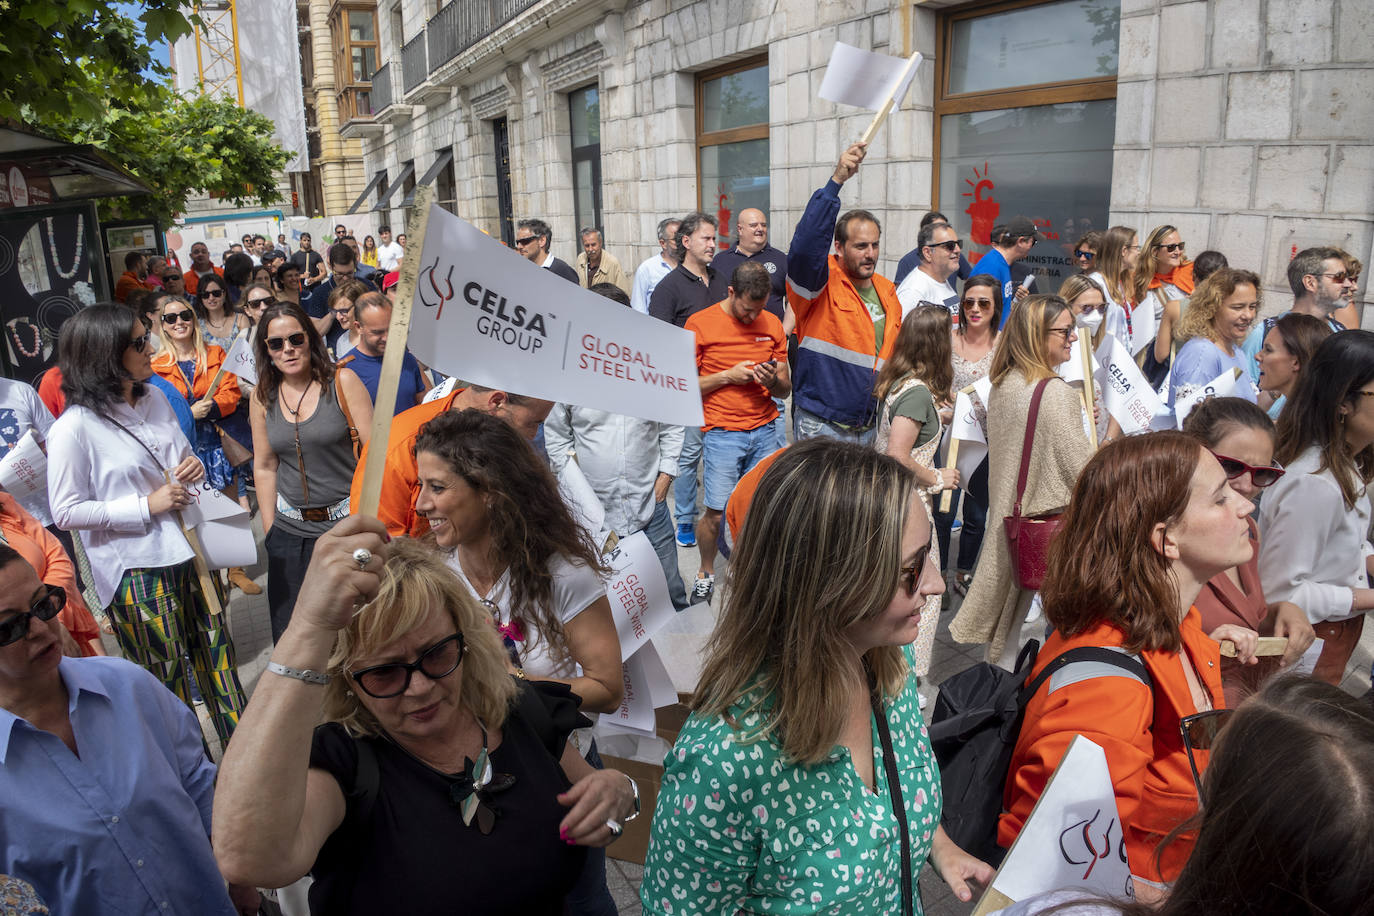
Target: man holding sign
x,y
742,362
847,315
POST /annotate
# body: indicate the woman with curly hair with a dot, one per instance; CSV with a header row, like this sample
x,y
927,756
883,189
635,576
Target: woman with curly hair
x,y
1211,332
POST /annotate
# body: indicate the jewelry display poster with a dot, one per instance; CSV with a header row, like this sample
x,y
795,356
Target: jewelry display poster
x,y
49,270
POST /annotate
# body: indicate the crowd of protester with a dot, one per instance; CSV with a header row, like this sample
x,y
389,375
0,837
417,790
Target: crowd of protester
x,y
459,646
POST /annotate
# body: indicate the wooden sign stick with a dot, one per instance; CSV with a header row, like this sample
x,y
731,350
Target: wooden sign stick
x,y
207,585
947,497
883,112
1089,394
1268,645
397,334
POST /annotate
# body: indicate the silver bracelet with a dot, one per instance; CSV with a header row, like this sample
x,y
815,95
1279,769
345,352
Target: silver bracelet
x,y
634,788
299,674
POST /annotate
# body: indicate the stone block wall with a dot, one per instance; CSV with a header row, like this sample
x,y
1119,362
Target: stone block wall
x,y
1249,124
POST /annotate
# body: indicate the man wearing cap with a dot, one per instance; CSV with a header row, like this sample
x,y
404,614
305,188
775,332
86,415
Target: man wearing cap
x,y
1011,242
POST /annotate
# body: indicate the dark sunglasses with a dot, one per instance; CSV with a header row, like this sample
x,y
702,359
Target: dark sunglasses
x,y
185,315
212,294
1084,255
1338,278
977,303
275,344
1176,246
910,577
260,302
951,245
521,243
1200,732
140,343
1261,476
169,277
393,679
45,608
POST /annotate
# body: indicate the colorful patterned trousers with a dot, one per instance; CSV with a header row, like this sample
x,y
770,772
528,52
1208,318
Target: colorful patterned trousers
x,y
160,616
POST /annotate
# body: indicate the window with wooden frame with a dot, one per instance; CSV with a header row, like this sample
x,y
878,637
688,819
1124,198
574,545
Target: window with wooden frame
x,y
732,142
354,31
1025,118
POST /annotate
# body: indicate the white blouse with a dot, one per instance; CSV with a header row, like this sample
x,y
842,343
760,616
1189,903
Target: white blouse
x,y
1312,548
99,481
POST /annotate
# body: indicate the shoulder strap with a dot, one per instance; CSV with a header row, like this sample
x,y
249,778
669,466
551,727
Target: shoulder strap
x,y
1028,442
1100,654
343,406
894,788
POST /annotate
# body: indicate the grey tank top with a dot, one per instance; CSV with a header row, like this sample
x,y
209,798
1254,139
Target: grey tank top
x,y
328,455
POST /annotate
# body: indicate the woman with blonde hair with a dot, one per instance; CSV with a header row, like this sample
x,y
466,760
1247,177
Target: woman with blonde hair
x,y
1162,282
1089,306
435,774
1211,332
1039,336
913,386
1115,263
805,737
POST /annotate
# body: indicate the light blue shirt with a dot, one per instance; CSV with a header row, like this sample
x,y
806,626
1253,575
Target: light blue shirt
x,y
125,827
1199,362
646,278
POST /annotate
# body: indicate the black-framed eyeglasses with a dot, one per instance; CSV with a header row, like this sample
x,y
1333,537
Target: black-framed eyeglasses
x,y
1083,255
521,243
276,344
393,679
212,294
1176,246
1200,732
46,608
951,246
1262,475
185,315
1067,332
910,577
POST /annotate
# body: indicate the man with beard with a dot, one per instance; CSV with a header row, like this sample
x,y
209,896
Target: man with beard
x,y
847,315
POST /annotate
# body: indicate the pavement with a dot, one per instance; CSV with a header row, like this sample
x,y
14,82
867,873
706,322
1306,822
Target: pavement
x,y
681,645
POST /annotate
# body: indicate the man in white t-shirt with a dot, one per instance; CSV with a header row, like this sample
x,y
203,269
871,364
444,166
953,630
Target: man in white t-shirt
x,y
389,253
21,410
929,282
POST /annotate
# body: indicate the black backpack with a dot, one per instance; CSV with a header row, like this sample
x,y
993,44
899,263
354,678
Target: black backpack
x,y
973,730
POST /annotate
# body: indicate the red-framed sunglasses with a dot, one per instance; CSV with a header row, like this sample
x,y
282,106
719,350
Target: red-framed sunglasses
x,y
1261,476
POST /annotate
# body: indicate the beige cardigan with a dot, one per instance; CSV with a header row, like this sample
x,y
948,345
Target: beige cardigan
x,y
1061,449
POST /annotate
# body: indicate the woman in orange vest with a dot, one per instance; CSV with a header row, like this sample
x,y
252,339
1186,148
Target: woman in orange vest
x,y
1152,519
191,365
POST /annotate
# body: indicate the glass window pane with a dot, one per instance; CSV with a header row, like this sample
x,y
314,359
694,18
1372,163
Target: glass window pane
x,y
1052,163
734,176
583,202
1068,40
364,64
737,100
584,110
360,26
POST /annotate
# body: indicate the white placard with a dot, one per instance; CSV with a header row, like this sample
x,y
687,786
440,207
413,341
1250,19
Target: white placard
x,y
24,469
647,687
1223,386
441,390
1126,394
638,593
224,528
487,315
1073,837
866,79
968,427
240,360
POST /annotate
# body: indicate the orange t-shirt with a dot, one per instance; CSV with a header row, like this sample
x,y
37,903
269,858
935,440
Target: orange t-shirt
x,y
192,279
723,342
401,479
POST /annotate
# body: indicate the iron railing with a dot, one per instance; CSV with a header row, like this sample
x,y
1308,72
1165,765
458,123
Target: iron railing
x,y
382,89
413,62
463,23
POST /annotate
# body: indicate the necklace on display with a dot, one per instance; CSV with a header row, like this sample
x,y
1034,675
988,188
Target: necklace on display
x,y
80,246
19,344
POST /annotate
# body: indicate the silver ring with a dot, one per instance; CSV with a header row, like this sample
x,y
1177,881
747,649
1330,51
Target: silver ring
x,y
362,556
614,826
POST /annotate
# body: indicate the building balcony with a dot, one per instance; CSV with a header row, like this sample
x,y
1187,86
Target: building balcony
x,y
355,113
385,93
460,24
415,73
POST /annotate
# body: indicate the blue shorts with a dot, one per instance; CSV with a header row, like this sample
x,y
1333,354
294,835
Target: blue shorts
x,y
728,455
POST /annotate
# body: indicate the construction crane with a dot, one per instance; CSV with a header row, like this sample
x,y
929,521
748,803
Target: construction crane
x,y
217,49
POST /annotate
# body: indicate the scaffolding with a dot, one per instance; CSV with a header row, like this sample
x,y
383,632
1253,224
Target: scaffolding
x,y
217,49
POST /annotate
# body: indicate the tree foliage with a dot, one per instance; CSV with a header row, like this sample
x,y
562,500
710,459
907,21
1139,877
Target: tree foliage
x,y
85,79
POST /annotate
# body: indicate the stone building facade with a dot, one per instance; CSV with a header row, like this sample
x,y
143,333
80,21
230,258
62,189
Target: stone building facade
x,y
1249,124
